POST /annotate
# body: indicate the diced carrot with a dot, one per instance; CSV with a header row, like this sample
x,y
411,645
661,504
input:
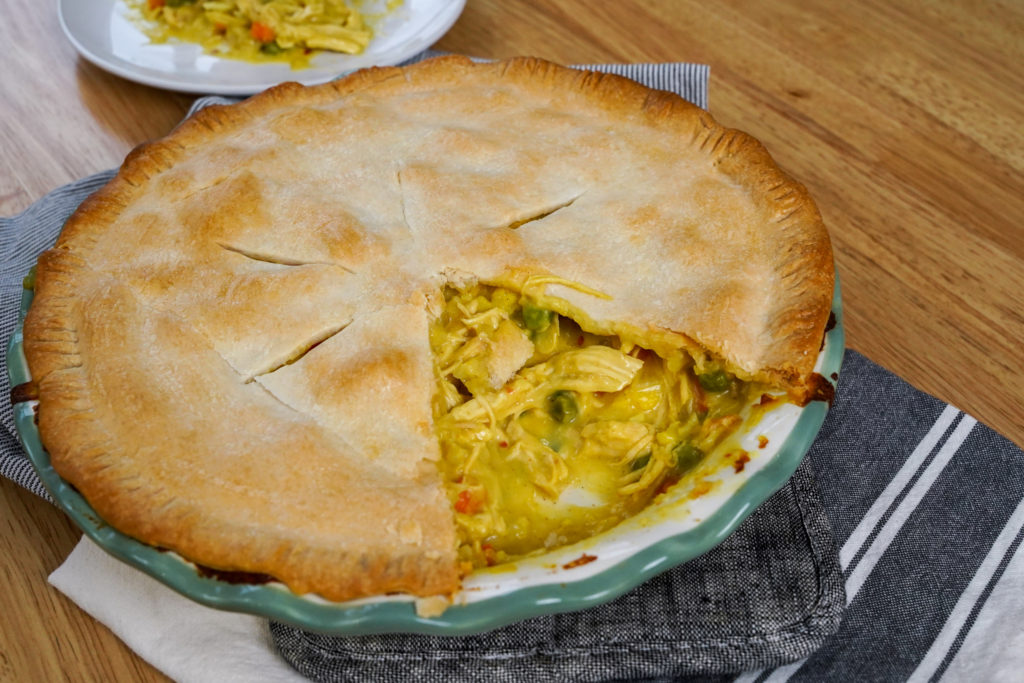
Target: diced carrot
x,y
262,32
469,504
155,4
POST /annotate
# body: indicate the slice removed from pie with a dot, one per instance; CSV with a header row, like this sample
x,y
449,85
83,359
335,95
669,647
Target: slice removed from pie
x,y
365,336
584,432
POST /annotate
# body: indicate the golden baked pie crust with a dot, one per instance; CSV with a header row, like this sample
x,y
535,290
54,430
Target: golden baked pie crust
x,y
209,325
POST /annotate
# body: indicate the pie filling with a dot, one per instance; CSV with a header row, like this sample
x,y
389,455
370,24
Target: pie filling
x,y
265,31
550,434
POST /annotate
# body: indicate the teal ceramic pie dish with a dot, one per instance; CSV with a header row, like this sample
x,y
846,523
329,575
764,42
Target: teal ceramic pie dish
x,y
678,527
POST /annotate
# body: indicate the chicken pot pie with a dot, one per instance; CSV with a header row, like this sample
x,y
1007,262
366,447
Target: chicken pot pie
x,y
365,336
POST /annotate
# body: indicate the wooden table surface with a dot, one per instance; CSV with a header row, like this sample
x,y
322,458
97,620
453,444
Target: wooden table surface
x,y
904,119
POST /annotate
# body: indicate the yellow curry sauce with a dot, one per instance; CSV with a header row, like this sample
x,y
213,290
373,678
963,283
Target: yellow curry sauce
x,y
550,434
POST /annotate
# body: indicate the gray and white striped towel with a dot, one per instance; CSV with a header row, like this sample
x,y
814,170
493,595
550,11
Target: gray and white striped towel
x,y
925,505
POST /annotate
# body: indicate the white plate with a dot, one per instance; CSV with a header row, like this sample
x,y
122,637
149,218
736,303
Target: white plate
x,y
103,34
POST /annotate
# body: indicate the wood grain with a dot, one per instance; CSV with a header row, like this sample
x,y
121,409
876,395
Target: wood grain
x,y
903,119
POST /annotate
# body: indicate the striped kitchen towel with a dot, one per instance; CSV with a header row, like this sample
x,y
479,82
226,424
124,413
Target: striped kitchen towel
x,y
927,507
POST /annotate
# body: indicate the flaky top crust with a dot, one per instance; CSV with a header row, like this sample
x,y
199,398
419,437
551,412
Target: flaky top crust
x,y
230,338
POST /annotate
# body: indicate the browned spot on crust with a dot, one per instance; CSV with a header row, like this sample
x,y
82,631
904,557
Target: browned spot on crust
x,y
29,391
232,577
579,561
238,201
374,368
829,326
352,242
820,390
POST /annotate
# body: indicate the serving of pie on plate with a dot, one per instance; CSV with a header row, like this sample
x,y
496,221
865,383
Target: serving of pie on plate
x,y
370,336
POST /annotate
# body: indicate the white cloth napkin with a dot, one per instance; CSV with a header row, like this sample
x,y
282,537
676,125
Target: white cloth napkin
x,y
194,644
185,640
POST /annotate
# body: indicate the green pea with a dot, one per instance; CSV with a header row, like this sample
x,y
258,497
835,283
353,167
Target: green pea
x,y
687,456
537,319
715,381
562,407
640,462
271,48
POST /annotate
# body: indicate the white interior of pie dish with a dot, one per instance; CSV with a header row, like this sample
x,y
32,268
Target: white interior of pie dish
x,y
676,528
